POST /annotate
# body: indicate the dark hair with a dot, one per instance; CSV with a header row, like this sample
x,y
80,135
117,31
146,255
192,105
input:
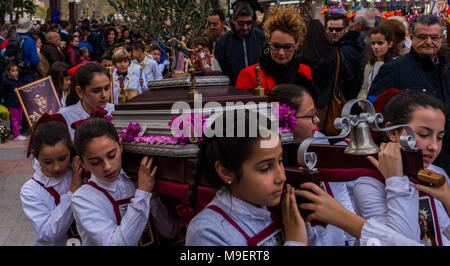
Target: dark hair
x,y
339,17
155,47
64,24
85,28
231,152
218,12
427,20
107,56
389,36
107,31
242,9
138,45
399,109
72,37
56,71
94,127
49,133
10,65
83,77
316,43
289,94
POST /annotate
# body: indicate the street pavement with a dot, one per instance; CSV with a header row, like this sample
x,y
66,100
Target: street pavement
x,y
15,170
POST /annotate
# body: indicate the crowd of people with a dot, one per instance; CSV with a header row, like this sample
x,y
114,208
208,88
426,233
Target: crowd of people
x,y
304,64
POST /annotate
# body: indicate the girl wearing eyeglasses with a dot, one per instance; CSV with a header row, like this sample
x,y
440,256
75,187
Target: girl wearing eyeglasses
x,y
383,50
285,31
300,100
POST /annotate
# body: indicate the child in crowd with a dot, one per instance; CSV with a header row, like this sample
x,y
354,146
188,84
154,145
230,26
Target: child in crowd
x,y
383,50
374,197
46,196
125,76
92,88
10,82
148,68
106,60
163,61
300,100
61,80
109,210
249,179
84,54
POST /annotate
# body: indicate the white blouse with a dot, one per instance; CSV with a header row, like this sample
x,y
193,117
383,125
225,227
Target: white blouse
x,y
396,204
50,222
76,112
95,217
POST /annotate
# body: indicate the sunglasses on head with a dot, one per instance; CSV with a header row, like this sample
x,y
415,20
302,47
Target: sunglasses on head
x,y
331,29
242,23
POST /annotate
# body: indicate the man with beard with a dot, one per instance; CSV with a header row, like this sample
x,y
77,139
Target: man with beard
x,y
422,69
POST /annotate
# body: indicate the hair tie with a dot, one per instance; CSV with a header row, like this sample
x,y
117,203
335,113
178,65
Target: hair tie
x,y
96,112
44,119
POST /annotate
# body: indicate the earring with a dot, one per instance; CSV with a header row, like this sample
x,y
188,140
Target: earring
x,y
229,182
267,50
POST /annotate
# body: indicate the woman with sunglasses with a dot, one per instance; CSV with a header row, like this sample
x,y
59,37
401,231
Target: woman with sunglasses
x,y
285,31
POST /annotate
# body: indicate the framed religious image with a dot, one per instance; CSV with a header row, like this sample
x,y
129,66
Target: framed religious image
x,y
111,88
37,98
427,222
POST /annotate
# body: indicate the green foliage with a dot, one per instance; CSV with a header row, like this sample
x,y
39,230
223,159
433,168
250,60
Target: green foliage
x,y
149,16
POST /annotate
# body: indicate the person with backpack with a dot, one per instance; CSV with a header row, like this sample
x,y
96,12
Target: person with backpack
x,y
21,50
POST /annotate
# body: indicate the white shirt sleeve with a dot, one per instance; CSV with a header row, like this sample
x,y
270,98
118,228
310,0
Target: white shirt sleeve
x,y
102,230
157,74
394,205
375,233
50,224
402,201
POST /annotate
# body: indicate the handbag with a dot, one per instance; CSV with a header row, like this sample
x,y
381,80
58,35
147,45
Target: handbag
x,y
336,104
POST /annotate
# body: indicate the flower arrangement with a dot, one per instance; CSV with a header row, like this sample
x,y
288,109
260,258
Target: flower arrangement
x,y
184,127
4,133
286,117
189,128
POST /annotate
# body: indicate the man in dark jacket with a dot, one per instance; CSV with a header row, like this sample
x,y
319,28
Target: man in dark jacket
x,y
240,47
421,70
51,49
351,45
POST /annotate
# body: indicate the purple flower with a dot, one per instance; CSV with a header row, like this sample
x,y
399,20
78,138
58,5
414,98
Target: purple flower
x,y
287,120
131,132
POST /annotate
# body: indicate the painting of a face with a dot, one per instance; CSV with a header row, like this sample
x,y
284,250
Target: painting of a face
x,y
41,101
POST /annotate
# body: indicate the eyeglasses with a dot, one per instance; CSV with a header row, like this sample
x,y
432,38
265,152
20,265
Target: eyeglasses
x,y
337,29
242,23
314,115
424,37
289,47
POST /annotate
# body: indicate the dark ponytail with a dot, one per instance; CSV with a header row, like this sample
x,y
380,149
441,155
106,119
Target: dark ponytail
x,y
231,152
399,108
289,94
49,133
83,77
94,127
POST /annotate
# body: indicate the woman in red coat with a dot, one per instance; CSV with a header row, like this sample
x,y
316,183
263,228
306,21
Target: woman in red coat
x,y
285,31
71,52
